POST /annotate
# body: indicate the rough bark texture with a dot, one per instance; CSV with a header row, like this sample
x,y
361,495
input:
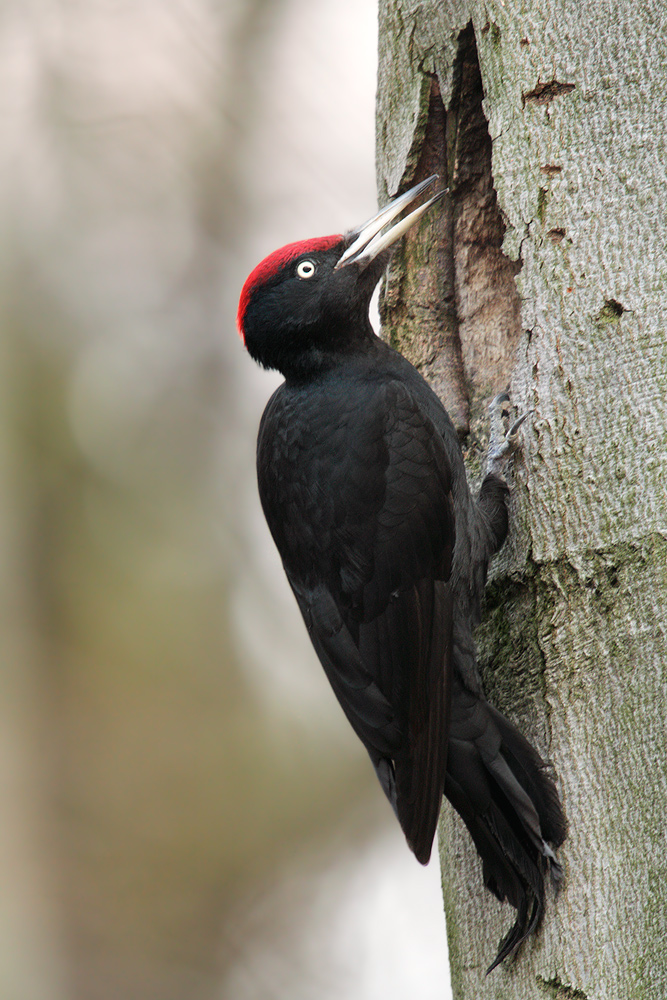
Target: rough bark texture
x,y
547,271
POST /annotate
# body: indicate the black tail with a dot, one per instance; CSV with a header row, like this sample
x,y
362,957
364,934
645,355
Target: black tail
x,y
498,784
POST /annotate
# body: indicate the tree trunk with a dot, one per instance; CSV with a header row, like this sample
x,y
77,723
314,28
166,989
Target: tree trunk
x,y
547,272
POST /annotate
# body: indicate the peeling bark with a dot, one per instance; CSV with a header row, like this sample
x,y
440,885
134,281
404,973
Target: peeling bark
x,y
546,271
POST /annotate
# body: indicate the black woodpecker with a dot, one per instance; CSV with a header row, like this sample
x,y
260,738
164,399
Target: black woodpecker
x,y
363,486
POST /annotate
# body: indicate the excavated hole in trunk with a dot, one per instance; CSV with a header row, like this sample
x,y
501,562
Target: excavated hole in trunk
x,y
451,301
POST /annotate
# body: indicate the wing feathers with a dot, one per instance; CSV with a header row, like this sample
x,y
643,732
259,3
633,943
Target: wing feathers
x,y
356,488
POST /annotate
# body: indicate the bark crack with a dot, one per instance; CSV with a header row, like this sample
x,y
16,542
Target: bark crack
x,y
558,990
544,93
611,311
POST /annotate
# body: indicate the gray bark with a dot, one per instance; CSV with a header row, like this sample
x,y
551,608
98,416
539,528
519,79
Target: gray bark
x,y
555,287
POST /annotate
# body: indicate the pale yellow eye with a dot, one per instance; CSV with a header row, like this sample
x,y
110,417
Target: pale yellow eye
x,y
306,269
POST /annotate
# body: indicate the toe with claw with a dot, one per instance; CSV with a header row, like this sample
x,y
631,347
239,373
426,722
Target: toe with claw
x,y
501,443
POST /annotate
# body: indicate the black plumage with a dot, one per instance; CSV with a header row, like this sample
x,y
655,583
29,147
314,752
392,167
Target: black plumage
x,y
364,490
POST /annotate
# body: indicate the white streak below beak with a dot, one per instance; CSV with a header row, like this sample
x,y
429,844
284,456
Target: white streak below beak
x,y
371,241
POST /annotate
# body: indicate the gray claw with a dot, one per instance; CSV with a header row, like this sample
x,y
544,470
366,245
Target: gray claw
x,y
517,423
502,443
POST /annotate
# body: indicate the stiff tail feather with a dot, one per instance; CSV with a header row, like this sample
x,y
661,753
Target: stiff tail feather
x,y
499,785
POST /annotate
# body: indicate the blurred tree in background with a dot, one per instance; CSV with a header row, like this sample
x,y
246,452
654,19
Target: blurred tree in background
x,y
147,779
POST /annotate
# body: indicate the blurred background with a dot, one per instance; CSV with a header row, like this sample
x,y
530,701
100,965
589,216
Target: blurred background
x,y
186,813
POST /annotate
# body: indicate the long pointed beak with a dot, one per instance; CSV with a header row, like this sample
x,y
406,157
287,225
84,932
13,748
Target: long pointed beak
x,y
368,241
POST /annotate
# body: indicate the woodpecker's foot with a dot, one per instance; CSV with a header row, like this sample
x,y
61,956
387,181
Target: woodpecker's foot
x,y
502,443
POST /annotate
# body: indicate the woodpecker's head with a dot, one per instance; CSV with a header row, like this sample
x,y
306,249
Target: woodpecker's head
x,y
311,298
